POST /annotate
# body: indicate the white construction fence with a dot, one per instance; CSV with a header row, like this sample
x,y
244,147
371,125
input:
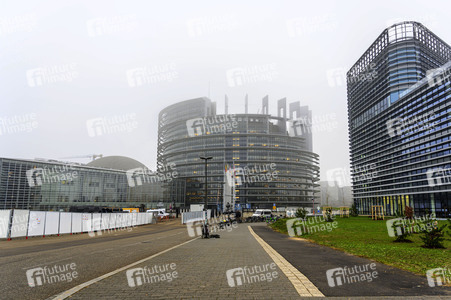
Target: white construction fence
x,y
195,216
25,223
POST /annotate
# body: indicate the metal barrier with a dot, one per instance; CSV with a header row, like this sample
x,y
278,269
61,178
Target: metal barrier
x,y
25,223
195,216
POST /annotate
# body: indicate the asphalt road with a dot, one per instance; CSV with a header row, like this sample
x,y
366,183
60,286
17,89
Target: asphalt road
x,y
92,256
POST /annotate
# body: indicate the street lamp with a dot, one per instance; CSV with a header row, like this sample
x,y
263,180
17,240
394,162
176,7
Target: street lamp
x,y
313,196
205,231
206,158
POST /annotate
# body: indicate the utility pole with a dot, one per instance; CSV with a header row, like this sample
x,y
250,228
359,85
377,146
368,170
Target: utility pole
x,y
313,198
206,158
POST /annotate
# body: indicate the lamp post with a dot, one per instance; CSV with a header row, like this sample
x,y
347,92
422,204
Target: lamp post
x,y
313,196
206,158
205,231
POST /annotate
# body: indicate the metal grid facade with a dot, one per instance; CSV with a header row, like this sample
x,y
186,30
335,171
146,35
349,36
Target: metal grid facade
x,y
401,58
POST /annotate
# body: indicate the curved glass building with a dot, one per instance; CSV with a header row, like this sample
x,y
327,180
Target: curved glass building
x,y
271,157
399,117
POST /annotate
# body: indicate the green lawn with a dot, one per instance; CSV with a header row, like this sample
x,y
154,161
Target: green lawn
x,y
364,237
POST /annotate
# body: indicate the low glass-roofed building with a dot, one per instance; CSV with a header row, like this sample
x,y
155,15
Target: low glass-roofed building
x,y
53,185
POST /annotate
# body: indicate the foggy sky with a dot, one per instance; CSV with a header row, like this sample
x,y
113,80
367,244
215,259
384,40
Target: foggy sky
x,y
67,64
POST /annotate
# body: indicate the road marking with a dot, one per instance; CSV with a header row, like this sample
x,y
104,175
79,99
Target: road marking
x,y
77,288
301,283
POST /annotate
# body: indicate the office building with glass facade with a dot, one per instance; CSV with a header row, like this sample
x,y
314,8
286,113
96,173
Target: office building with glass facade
x,y
399,122
271,157
53,185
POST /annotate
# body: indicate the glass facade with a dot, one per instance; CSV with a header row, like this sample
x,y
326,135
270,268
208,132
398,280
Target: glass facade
x,y
254,141
399,122
60,186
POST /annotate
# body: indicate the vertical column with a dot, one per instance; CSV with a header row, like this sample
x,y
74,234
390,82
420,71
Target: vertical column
x,y
265,109
391,205
432,204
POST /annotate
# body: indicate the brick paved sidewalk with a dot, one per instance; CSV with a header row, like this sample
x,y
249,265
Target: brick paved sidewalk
x,y
201,267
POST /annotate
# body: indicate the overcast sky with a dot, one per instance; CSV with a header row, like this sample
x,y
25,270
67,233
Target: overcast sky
x,y
65,64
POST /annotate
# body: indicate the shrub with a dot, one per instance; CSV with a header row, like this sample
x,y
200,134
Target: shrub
x,y
353,211
433,237
328,215
403,237
301,213
408,212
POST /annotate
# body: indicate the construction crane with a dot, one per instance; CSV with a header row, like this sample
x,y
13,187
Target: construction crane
x,y
92,156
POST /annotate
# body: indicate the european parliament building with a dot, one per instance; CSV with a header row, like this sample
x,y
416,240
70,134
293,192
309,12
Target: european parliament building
x,y
53,185
271,156
399,122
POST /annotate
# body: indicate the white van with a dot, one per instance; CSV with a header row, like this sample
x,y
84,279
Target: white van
x,y
262,213
161,212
